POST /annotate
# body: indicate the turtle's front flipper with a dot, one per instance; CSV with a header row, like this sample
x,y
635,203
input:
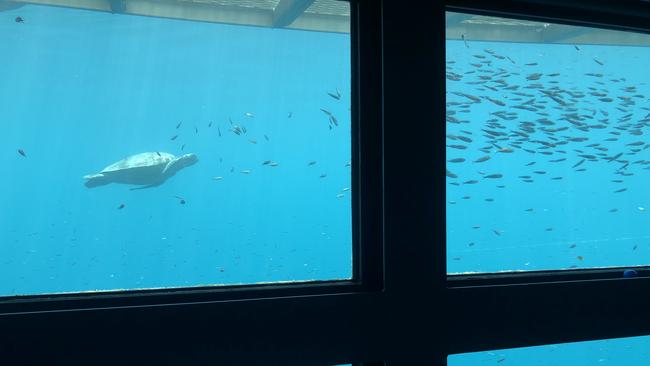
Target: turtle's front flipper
x,y
145,187
96,180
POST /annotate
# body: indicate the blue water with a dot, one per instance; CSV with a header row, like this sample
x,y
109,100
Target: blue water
x,y
578,219
81,90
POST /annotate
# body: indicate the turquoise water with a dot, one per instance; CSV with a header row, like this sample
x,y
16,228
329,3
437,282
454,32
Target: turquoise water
x,y
81,90
564,131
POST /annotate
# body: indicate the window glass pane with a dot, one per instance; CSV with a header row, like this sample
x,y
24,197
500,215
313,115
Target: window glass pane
x,y
149,152
619,351
547,146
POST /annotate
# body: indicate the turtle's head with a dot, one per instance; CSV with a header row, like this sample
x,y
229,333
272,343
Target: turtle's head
x,y
187,160
178,164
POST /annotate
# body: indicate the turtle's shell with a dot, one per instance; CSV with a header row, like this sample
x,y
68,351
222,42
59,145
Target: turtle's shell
x,y
143,160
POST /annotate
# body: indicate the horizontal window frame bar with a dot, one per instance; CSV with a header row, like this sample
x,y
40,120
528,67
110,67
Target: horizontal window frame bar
x,y
545,313
176,296
533,277
225,333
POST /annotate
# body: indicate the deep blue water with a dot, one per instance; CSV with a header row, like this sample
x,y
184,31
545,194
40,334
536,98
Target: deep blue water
x,y
534,205
81,90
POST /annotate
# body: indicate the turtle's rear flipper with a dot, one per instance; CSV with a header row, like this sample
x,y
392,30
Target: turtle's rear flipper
x,y
95,180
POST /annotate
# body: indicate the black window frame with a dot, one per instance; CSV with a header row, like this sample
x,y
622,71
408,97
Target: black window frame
x,y
401,307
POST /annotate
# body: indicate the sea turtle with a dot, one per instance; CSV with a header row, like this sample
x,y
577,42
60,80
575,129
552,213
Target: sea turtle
x,y
148,169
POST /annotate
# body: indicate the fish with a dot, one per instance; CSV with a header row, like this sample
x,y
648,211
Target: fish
x,y
174,137
598,62
529,210
636,143
326,111
196,129
181,200
614,157
209,124
273,164
451,175
464,40
179,125
580,257
345,189
497,232
459,147
22,152
456,160
311,163
620,190
334,121
613,210
470,182
340,195
246,171
336,95
183,147
576,47
266,138
578,163
534,76
249,114
19,20
289,115
252,141
482,159
219,131
494,176
217,178
158,153
323,175
267,162
121,206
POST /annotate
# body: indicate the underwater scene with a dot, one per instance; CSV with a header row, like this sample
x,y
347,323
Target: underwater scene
x,y
547,156
143,152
